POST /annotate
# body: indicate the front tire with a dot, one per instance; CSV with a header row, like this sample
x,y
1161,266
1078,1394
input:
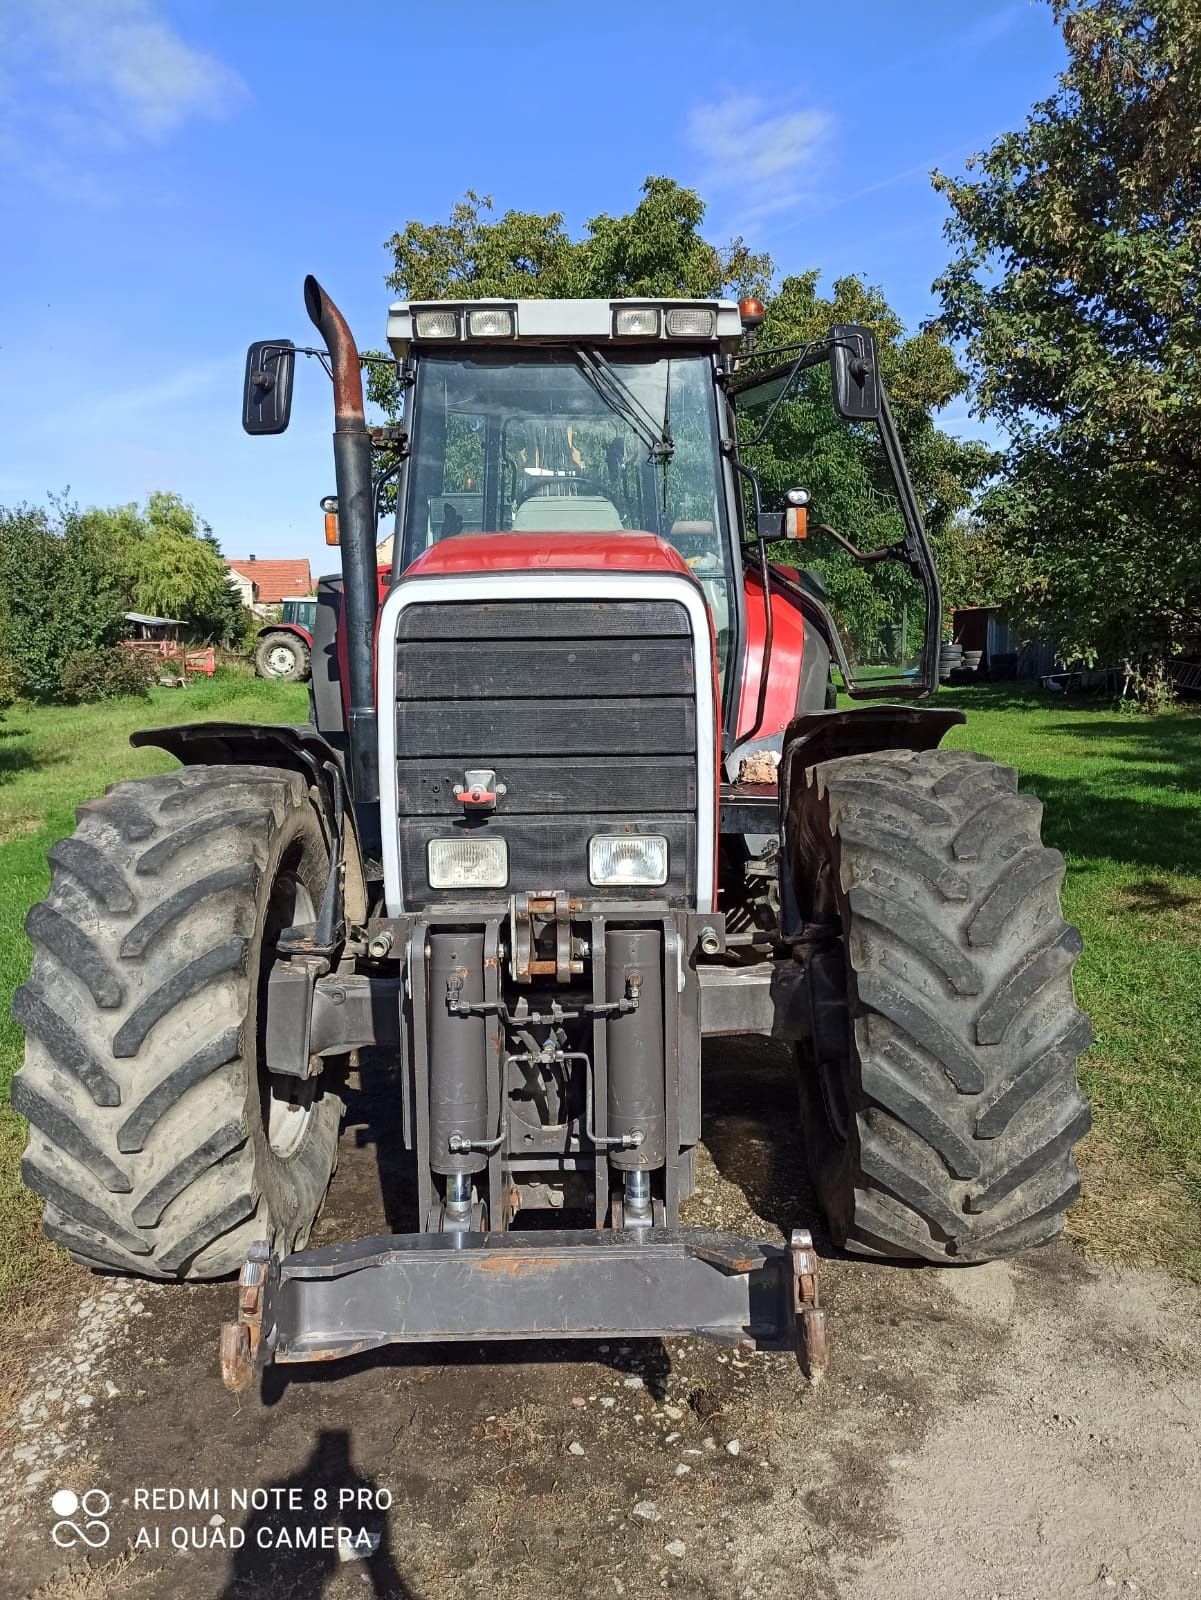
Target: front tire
x,y
159,1143
939,1091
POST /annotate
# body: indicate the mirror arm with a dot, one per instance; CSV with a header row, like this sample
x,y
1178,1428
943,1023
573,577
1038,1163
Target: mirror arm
x,y
364,361
896,551
381,482
806,359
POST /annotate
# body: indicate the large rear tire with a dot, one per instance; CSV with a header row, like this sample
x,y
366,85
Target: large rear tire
x,y
159,1143
282,655
939,1092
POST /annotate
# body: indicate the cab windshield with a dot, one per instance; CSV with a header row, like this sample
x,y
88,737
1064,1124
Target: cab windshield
x,y
571,440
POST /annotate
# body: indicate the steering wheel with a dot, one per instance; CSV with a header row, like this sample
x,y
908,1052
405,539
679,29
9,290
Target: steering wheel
x,y
592,485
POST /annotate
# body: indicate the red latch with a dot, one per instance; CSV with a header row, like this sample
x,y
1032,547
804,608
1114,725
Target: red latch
x,y
475,796
479,789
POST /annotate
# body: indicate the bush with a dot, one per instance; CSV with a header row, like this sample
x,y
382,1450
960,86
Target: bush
x,y
107,674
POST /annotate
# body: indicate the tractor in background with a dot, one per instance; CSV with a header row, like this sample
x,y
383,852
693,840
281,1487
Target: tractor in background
x,y
283,648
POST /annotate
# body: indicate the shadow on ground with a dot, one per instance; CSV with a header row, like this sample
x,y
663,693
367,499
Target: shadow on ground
x,y
341,1505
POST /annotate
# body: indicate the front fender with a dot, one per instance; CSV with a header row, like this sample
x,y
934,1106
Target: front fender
x,y
859,730
818,736
297,747
294,628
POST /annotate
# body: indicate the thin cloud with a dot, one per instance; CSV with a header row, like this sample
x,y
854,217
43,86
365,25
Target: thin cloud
x,y
179,397
92,77
987,30
767,157
133,68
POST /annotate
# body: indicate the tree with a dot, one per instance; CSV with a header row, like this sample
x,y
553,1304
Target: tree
x,y
68,576
177,571
62,593
656,249
1074,291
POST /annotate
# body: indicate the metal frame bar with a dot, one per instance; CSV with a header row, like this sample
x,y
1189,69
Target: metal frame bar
x,y
342,1300
672,963
498,1161
600,1073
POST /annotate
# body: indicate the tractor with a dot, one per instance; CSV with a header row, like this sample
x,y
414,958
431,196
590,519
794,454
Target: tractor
x,y
624,750
283,649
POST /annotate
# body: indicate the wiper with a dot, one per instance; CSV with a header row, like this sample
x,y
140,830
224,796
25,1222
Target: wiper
x,y
619,397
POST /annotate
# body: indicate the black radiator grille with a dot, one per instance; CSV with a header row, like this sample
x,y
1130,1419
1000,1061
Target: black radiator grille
x,y
585,710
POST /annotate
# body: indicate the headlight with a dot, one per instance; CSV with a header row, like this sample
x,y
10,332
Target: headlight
x,y
490,324
692,322
436,324
468,863
618,858
636,322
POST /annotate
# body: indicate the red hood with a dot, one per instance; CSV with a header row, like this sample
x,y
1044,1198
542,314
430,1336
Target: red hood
x,y
549,552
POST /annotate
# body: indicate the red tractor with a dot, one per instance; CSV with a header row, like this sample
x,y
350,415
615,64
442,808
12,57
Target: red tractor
x,y
284,648
576,795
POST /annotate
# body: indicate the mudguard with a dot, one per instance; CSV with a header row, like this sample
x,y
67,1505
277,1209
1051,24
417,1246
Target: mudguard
x,y
818,736
297,747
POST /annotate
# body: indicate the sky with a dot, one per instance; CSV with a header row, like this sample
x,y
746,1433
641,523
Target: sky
x,y
171,169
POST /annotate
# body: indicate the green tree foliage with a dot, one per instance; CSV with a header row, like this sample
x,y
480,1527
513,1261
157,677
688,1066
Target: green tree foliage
x,y
655,249
1074,291
177,571
61,592
68,576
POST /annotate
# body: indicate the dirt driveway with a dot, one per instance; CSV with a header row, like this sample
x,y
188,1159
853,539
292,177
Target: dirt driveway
x,y
1024,1431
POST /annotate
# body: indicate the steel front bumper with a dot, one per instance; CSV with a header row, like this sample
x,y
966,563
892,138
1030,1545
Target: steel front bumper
x,y
321,1305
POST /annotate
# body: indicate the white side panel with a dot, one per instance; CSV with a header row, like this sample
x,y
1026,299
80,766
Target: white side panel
x,y
547,586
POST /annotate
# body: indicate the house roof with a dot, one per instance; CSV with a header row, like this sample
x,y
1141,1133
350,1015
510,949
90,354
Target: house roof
x,y
276,580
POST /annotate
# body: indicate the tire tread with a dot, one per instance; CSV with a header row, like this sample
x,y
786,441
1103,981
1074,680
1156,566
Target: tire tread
x,y
963,1089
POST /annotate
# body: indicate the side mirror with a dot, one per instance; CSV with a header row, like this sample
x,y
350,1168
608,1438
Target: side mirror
x,y
855,373
267,390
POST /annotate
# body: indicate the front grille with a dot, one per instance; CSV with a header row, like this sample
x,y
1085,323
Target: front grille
x,y
585,710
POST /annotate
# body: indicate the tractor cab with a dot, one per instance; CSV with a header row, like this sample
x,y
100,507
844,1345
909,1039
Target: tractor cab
x,y
556,417
566,417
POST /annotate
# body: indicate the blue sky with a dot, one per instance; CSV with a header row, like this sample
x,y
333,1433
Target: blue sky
x,y
172,168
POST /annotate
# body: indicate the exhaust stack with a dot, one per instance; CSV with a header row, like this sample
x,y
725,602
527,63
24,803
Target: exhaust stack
x,y
356,519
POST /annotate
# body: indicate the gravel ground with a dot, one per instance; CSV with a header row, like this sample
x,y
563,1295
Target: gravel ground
x,y
1021,1430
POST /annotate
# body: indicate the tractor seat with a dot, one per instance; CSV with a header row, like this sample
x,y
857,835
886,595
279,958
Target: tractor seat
x,y
567,513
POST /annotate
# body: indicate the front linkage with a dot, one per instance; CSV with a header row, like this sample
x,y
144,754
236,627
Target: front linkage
x,y
625,1029
342,1300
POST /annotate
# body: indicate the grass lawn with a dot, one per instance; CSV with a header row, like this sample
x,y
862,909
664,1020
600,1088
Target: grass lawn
x,y
1123,803
51,759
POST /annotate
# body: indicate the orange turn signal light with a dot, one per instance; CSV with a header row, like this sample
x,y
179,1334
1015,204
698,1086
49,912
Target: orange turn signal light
x,y
331,527
796,522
